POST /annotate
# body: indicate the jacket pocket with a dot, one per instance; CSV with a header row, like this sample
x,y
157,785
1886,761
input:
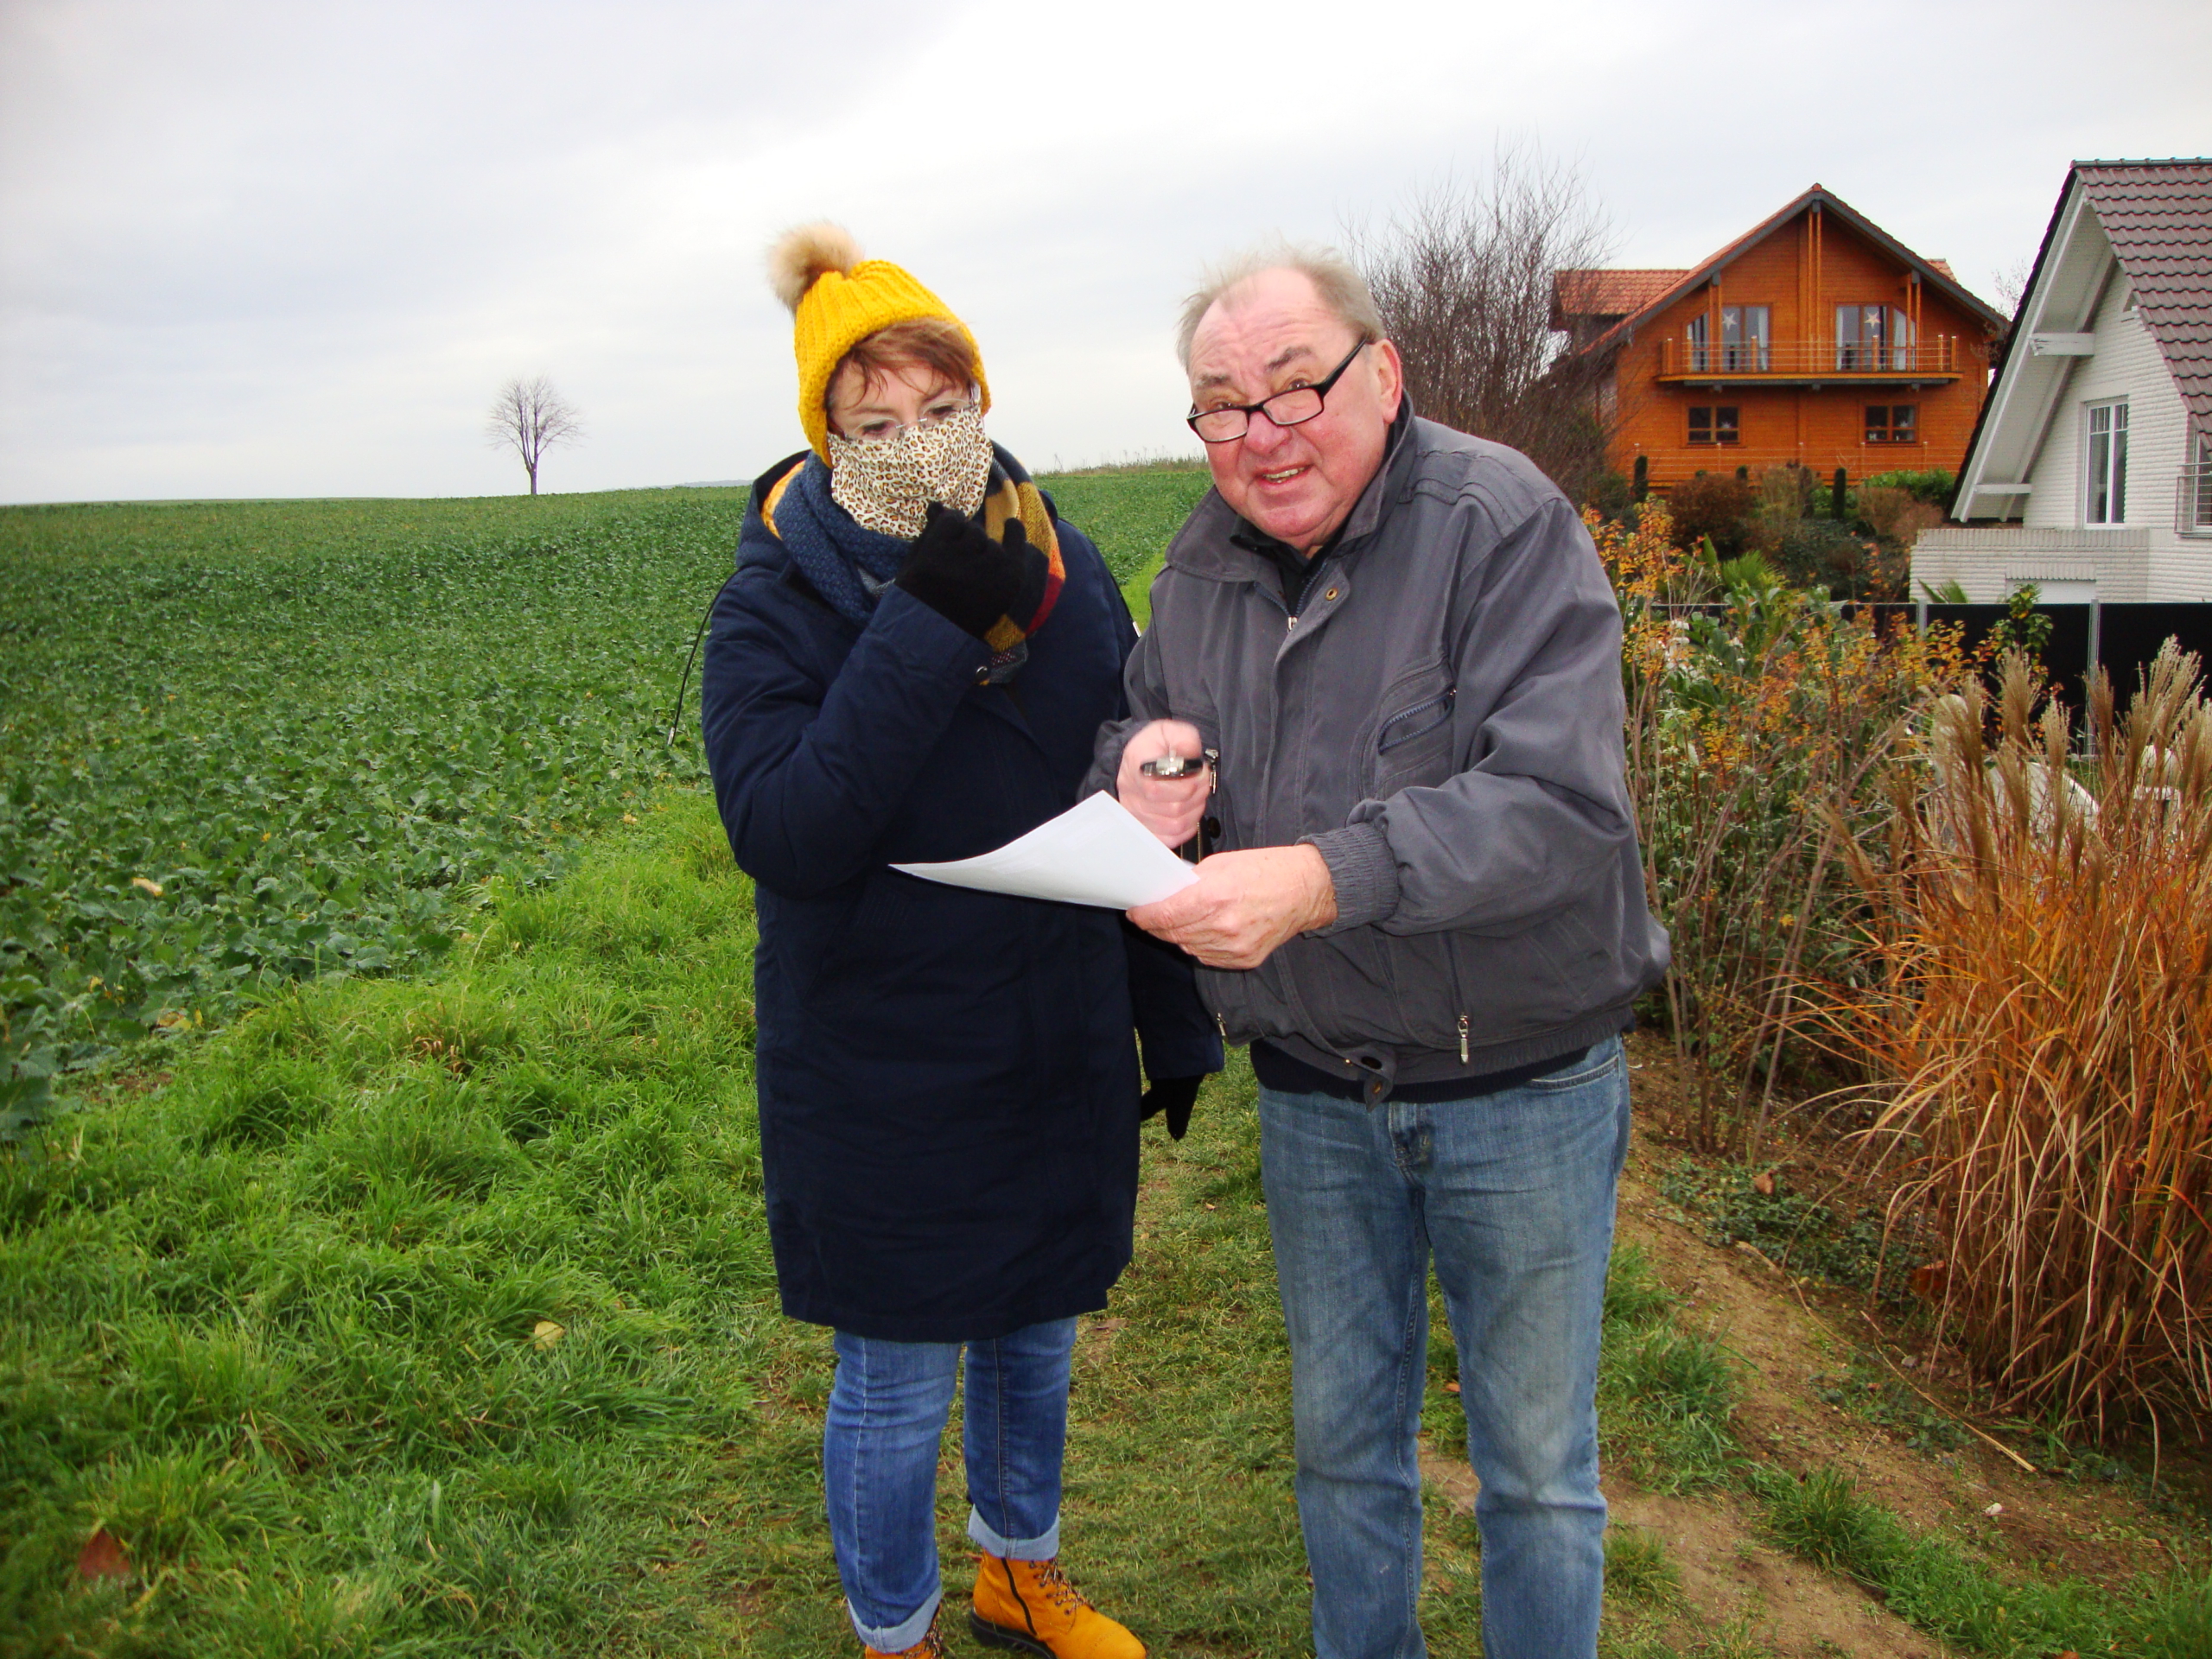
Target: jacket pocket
x,y
1412,746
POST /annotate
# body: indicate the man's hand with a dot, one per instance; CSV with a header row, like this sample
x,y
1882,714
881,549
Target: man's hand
x,y
1243,904
1169,807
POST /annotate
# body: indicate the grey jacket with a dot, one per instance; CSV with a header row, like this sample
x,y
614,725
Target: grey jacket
x,y
1443,722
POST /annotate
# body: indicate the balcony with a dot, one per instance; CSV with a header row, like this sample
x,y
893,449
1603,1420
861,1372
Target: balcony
x,y
1931,361
2193,500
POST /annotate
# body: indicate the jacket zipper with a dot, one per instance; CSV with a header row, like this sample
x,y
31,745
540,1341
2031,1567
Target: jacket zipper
x,y
1463,1039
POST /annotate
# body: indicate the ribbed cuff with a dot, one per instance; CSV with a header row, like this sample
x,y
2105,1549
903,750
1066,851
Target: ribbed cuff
x,y
1362,872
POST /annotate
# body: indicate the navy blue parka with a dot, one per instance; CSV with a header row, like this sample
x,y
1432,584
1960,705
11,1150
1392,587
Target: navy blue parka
x,y
947,1079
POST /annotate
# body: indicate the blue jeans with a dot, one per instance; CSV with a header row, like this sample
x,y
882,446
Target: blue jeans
x,y
887,1412
1512,1193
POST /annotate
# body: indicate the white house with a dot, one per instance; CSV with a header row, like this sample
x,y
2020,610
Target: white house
x,y
2089,474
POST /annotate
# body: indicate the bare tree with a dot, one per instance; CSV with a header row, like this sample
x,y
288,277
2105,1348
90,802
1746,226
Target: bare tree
x,y
1463,276
530,417
2011,284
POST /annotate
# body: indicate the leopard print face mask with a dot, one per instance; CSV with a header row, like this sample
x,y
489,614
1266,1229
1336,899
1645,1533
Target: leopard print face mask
x,y
888,484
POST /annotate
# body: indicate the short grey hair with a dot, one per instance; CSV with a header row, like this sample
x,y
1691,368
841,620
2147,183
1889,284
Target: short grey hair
x,y
1335,278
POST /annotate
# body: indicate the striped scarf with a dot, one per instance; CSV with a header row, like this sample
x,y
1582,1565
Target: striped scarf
x,y
850,565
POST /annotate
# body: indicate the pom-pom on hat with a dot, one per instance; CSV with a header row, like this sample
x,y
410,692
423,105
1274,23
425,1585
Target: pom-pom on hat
x,y
839,299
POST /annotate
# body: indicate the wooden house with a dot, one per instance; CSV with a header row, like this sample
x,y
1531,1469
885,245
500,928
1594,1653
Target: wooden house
x,y
2090,476
1816,338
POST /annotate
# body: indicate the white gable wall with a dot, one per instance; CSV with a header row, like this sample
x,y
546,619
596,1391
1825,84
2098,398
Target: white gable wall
x,y
2147,559
2126,363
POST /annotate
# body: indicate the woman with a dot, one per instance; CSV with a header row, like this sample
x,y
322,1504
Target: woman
x,y
910,664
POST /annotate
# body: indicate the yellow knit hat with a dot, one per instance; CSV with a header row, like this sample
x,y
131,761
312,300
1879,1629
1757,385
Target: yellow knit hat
x,y
839,299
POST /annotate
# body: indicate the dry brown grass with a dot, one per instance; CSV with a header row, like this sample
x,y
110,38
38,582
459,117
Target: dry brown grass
x,y
2046,1013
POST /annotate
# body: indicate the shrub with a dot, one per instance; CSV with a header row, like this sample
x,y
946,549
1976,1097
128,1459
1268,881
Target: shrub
x,y
1783,493
1747,721
1707,505
2044,928
1895,516
1611,495
1934,486
1820,554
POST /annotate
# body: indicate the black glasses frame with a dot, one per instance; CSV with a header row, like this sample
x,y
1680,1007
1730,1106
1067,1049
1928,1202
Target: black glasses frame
x,y
1320,392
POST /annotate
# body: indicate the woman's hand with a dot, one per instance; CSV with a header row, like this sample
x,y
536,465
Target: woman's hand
x,y
1173,1095
1169,807
963,573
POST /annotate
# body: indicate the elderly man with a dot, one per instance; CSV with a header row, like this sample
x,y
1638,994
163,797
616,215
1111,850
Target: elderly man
x,y
1387,661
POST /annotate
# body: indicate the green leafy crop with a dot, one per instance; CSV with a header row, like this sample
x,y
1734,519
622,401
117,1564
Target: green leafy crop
x,y
249,742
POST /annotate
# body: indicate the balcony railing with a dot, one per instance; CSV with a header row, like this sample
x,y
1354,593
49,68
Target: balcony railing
x,y
1935,354
2193,500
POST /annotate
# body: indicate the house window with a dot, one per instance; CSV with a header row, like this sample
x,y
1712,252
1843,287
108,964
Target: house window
x,y
1699,337
1744,337
1872,337
1892,423
2105,499
1711,425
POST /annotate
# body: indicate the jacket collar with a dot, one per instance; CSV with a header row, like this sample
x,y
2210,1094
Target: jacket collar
x,y
1219,543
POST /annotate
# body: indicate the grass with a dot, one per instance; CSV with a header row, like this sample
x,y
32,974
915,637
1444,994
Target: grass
x,y
1939,1587
410,1316
1132,516
1666,1392
435,1317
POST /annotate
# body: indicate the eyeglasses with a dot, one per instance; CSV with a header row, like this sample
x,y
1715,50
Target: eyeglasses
x,y
932,416
1299,404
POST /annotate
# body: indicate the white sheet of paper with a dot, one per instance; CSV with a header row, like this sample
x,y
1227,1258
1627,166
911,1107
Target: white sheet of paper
x,y
1093,853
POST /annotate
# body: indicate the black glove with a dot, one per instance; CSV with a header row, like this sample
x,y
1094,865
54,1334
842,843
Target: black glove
x,y
1175,1096
961,572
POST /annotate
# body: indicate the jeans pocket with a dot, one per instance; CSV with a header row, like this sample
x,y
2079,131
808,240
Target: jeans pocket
x,y
1599,1061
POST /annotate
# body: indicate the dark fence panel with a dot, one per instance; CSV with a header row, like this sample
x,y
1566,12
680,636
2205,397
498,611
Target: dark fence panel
x,y
2128,636
2131,636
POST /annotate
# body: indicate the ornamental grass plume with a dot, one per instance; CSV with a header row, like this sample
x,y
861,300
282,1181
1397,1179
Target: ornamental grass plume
x,y
2045,922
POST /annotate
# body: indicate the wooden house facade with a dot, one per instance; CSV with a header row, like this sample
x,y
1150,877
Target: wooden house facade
x,y
1816,338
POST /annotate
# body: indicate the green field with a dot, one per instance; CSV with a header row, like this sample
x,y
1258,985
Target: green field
x,y
246,743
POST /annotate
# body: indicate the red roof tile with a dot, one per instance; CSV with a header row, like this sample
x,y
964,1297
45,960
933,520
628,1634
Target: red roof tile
x,y
2159,216
1607,293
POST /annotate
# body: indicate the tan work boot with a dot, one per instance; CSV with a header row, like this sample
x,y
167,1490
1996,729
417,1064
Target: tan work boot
x,y
932,1646
1030,1607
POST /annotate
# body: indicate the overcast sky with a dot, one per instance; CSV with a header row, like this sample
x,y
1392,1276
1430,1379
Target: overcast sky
x,y
293,250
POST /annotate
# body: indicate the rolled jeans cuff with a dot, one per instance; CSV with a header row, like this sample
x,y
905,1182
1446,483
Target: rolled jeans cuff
x,y
1362,872
1043,1547
904,1635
